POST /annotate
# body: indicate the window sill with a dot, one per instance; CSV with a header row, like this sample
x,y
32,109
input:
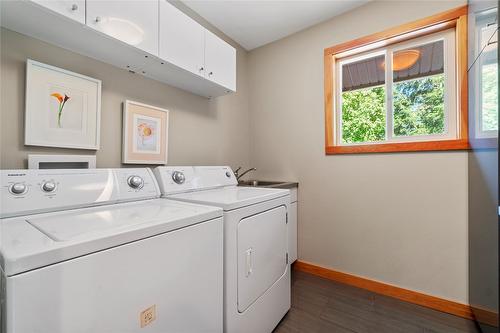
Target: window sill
x,y
460,144
483,143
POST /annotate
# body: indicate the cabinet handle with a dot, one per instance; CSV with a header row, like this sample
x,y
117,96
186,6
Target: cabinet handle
x,y
97,19
201,69
74,7
210,74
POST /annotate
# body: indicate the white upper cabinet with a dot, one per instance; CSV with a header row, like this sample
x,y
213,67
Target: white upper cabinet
x,y
73,9
187,44
134,22
220,61
167,45
182,39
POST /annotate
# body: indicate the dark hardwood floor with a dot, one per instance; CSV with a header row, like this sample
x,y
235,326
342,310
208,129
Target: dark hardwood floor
x,y
324,306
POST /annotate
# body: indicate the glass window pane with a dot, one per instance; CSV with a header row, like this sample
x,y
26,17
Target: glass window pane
x,y
489,101
363,100
489,78
418,90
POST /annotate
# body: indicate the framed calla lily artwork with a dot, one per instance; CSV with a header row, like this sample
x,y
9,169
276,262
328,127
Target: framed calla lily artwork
x,y
63,108
145,133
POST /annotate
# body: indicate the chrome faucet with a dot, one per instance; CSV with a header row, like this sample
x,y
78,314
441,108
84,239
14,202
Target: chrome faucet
x,y
237,174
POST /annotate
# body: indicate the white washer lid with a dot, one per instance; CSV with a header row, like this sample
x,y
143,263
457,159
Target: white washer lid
x,y
68,226
231,197
35,241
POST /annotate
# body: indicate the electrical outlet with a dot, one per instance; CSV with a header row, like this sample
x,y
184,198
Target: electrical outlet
x,y
148,316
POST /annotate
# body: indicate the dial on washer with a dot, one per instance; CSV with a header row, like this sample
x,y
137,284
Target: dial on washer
x,y
135,182
49,186
178,177
17,188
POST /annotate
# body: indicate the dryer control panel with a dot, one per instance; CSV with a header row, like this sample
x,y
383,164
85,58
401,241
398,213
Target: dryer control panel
x,y
30,191
181,179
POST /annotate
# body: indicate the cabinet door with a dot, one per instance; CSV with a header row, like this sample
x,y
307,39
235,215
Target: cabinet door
x,y
292,233
133,22
220,61
182,40
75,9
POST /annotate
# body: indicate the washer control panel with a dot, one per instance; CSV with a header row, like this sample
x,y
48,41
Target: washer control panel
x,y
180,179
33,191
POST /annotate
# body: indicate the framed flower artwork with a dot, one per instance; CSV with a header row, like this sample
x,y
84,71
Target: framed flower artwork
x,y
145,134
63,108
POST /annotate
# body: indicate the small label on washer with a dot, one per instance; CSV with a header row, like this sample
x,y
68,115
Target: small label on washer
x,y
148,316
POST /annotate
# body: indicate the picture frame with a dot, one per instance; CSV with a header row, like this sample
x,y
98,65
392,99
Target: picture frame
x,y
145,134
63,108
42,161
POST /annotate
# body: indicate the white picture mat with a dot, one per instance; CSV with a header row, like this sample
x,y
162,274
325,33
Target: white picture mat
x,y
40,129
126,130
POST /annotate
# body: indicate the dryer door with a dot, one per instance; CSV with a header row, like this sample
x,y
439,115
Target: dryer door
x,y
262,246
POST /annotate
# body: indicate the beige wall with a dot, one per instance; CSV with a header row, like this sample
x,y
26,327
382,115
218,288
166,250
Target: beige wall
x,y
398,218
202,131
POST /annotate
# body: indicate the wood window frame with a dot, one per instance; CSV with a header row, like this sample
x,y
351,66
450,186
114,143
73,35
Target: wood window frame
x,y
455,18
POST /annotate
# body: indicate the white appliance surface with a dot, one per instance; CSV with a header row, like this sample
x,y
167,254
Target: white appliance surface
x,y
174,278
181,179
212,186
99,251
43,239
256,266
70,188
229,198
266,251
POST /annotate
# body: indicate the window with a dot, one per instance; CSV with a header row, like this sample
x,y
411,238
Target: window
x,y
486,75
409,105
399,90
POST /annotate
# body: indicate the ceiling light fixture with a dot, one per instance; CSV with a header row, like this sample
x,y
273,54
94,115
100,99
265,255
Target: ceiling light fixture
x,y
404,59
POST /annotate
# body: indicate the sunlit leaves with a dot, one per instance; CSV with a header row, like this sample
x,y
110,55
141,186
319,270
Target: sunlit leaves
x,y
363,115
489,97
418,107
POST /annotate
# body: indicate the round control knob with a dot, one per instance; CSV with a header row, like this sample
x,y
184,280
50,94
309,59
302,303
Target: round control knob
x,y
178,177
135,181
49,186
18,188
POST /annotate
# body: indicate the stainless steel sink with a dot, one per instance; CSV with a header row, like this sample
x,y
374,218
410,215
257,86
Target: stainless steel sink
x,y
258,183
265,183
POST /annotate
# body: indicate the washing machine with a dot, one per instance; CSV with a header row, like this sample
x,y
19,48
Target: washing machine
x,y
98,251
256,266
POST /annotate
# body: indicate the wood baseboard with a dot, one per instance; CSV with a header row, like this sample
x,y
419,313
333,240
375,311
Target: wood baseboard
x,y
433,302
485,316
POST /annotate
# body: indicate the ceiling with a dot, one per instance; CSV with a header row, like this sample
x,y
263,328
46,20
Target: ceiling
x,y
258,22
